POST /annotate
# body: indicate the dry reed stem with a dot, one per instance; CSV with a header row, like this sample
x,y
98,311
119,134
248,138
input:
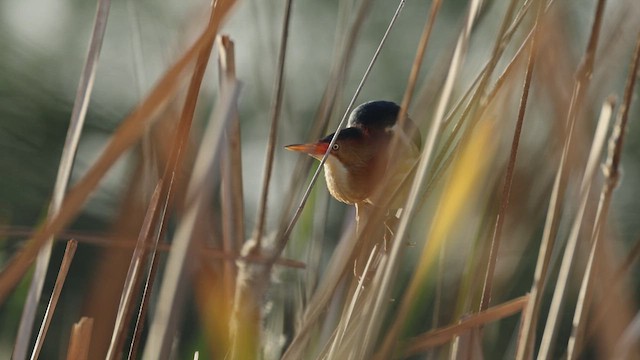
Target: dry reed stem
x,y
276,106
579,318
582,80
605,306
336,269
377,215
134,274
231,192
112,262
76,123
158,211
415,67
421,343
69,252
246,313
130,131
440,163
479,96
345,319
201,185
612,174
389,272
80,339
144,306
583,77
317,242
508,181
571,246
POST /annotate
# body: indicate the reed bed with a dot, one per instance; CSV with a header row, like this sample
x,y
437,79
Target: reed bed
x,y
517,239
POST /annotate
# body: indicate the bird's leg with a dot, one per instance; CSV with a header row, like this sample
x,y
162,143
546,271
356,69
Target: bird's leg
x,y
375,233
391,222
359,214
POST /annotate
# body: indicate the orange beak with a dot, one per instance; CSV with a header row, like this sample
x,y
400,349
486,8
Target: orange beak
x,y
317,150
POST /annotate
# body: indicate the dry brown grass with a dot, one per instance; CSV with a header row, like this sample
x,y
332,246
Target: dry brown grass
x,y
495,188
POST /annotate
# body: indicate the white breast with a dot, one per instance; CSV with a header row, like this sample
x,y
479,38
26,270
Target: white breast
x,y
338,182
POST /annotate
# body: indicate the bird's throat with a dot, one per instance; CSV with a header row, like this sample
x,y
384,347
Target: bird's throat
x,y
341,183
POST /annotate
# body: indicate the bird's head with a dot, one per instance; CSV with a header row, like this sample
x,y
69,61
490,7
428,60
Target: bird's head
x,y
353,147
353,164
359,156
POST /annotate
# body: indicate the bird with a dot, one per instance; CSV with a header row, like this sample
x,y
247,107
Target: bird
x,y
359,160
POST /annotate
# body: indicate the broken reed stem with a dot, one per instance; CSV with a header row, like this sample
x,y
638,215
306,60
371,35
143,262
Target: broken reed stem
x,y
276,106
174,285
128,133
582,80
78,115
611,172
69,252
443,335
244,325
158,210
508,181
80,339
231,192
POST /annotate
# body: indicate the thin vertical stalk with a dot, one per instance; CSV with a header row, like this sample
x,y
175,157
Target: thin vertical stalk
x,y
158,211
525,343
134,273
172,290
391,269
245,315
130,130
508,181
276,106
612,174
69,252
557,302
584,296
231,194
78,115
417,62
440,163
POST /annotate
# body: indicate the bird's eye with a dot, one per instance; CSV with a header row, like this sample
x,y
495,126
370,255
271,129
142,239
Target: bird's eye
x,y
335,147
